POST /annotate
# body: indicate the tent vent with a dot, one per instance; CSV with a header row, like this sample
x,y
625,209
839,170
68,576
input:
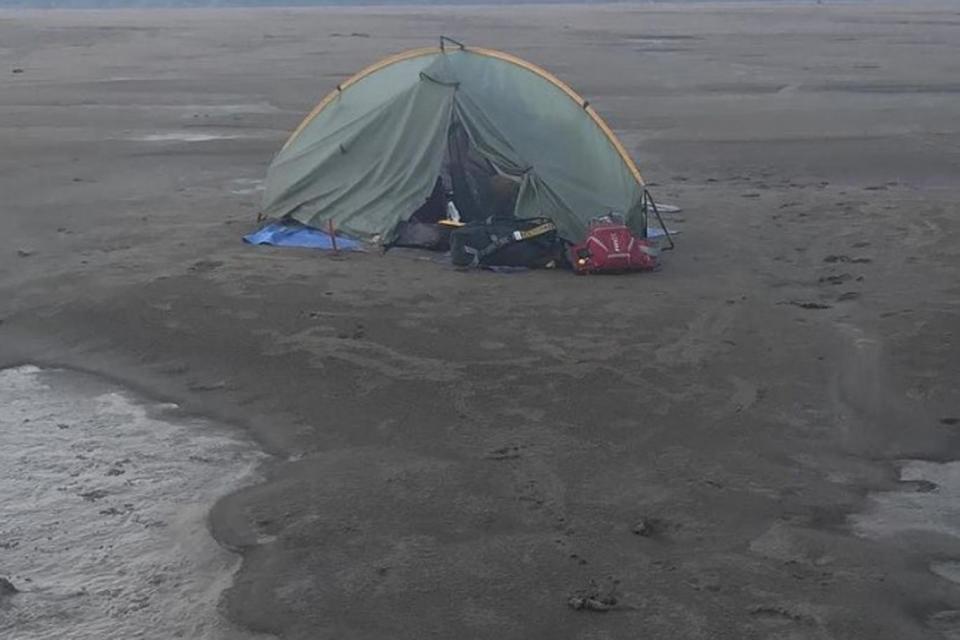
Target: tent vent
x,y
424,76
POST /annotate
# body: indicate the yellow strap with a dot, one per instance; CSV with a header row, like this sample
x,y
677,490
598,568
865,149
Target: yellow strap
x,y
546,227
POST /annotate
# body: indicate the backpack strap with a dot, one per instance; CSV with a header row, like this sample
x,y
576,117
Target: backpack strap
x,y
518,235
538,230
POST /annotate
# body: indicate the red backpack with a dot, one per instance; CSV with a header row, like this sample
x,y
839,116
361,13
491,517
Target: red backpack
x,y
611,247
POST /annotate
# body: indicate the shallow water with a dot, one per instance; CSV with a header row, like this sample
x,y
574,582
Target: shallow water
x,y
930,503
246,186
103,503
183,136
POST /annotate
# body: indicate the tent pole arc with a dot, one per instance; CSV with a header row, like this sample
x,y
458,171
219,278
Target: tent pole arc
x,y
490,53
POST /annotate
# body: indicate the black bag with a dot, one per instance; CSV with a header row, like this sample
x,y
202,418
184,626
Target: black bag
x,y
421,231
422,235
510,242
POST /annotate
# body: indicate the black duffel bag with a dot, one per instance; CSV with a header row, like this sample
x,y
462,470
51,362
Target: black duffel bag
x,y
506,242
422,235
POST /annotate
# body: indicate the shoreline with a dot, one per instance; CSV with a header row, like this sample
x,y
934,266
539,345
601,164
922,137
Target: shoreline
x,y
388,8
130,486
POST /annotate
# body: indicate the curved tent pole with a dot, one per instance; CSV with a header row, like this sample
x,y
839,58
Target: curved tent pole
x,y
573,95
373,68
489,53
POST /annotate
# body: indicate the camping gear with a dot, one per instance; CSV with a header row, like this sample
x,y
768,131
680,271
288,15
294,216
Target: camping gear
x,y
423,229
506,243
423,235
506,136
611,247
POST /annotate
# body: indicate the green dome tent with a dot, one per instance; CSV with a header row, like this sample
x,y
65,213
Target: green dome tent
x,y
370,154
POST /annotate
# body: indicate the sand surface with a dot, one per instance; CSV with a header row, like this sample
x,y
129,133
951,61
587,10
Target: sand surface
x,y
457,455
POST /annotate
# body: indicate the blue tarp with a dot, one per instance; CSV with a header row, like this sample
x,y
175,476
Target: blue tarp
x,y
657,232
291,234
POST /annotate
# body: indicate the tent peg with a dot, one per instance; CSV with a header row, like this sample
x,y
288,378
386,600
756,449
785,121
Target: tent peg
x,y
333,236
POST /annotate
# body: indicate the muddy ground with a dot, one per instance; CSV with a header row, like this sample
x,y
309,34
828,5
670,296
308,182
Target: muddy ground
x,y
460,454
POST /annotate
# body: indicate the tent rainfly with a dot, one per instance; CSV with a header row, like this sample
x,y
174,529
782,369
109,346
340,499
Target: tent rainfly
x,y
370,154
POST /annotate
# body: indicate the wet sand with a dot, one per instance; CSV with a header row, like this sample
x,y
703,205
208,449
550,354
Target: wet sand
x,y
457,455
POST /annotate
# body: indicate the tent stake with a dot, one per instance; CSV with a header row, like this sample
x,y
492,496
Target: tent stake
x,y
333,237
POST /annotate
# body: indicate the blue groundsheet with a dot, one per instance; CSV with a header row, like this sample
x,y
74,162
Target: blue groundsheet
x,y
657,232
292,234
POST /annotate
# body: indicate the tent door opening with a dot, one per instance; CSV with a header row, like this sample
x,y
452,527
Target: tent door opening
x,y
477,188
